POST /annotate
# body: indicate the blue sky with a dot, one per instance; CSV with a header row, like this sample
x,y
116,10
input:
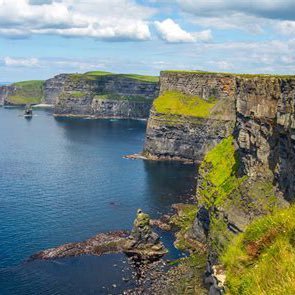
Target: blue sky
x,y
41,38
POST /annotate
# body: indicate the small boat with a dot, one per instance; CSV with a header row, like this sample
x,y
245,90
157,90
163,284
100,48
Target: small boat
x,y
28,111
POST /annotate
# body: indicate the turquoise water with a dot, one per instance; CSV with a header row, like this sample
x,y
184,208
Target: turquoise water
x,y
64,180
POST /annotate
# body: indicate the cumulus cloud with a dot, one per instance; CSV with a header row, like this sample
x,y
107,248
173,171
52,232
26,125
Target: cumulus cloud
x,y
171,32
101,19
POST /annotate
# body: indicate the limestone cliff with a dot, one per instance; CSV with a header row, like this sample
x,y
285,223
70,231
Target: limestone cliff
x,y
203,113
93,94
265,128
247,174
101,95
257,110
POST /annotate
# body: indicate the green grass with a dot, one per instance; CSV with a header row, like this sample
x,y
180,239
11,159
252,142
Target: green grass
x,y
29,83
27,92
96,75
231,74
262,260
184,221
218,174
142,78
176,103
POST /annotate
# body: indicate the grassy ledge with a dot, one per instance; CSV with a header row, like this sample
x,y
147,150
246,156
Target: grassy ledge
x,y
177,103
262,260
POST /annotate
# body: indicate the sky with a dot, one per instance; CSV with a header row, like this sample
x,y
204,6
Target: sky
x,y
42,38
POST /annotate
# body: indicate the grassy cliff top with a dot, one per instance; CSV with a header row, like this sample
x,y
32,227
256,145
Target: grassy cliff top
x,y
230,74
27,92
94,75
177,103
262,259
29,83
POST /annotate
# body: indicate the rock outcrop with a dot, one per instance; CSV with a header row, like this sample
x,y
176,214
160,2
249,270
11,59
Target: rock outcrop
x,y
142,243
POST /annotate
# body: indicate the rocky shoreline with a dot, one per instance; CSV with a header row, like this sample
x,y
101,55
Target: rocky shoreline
x,y
142,242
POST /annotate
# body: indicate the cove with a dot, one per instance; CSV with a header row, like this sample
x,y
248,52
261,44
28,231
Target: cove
x,y
64,180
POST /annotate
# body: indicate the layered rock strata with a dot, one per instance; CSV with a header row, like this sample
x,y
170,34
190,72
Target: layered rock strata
x,y
184,137
100,96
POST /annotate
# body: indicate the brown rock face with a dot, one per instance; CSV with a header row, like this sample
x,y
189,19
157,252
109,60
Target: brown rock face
x,y
189,138
260,107
265,129
100,96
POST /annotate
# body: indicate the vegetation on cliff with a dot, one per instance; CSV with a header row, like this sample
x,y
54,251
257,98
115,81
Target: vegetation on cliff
x,y
229,197
27,92
218,174
97,75
199,72
177,103
262,259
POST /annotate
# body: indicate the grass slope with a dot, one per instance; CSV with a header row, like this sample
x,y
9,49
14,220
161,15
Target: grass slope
x,y
177,103
262,260
27,92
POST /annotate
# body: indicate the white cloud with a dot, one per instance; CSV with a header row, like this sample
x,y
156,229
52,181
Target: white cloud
x,y
20,62
286,27
101,19
171,32
273,9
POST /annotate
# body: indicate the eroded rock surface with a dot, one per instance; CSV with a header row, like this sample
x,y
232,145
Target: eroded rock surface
x,y
142,242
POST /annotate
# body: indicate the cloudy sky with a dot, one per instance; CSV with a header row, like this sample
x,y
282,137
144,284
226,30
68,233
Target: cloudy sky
x,y
40,38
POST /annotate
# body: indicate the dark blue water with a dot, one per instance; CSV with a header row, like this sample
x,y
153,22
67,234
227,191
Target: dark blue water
x,y
64,180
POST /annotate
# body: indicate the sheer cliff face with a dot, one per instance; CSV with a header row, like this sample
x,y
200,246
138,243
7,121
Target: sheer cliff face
x,y
100,96
186,137
257,110
265,129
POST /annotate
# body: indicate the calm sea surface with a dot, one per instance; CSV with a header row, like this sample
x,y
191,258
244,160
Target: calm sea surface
x,y
64,180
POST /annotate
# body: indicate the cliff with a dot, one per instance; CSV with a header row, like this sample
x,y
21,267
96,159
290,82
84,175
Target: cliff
x,y
196,110
241,130
101,94
22,93
92,94
192,114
